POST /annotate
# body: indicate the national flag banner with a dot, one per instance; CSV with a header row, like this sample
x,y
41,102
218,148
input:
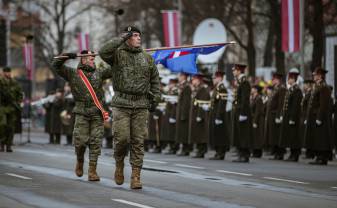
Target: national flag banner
x,y
83,41
28,54
291,12
184,59
171,27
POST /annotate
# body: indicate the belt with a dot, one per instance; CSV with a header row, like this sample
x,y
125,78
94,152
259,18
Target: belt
x,y
130,96
86,104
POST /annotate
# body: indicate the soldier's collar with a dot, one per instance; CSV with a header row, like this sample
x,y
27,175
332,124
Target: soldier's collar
x,y
126,47
85,68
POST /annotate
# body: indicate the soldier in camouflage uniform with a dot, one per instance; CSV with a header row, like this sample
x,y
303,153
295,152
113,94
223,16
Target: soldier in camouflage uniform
x,y
10,99
136,84
88,128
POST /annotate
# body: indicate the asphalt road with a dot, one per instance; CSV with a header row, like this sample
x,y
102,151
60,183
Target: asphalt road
x,y
41,175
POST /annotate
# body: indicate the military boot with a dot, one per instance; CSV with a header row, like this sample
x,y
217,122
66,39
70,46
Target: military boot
x,y
119,173
92,174
135,178
79,167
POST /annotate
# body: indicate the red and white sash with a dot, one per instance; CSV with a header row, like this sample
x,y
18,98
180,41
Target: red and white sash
x,y
93,94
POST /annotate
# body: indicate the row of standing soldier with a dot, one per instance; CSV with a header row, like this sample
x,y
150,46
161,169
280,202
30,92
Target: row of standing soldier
x,y
193,115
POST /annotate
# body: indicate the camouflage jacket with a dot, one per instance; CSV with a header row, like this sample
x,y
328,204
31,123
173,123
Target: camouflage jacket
x,y
11,95
83,102
135,77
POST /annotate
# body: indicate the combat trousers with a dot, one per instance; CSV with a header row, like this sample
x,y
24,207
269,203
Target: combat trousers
x,y
88,131
7,130
130,127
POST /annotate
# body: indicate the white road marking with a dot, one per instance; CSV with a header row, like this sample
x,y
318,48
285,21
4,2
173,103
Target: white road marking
x,y
189,166
334,187
19,176
235,173
285,180
131,203
155,161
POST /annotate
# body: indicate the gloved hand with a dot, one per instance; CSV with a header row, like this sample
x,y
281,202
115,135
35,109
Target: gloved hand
x,y
318,122
172,120
155,117
242,118
127,35
218,122
305,122
70,55
205,107
198,119
291,122
153,106
254,125
278,121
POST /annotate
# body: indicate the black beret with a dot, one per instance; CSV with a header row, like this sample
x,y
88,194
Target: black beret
x,y
131,29
6,69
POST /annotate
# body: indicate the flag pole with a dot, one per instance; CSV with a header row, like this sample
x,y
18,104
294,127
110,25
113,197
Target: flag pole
x,y
162,48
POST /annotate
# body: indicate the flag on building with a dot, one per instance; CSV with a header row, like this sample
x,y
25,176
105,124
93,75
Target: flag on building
x,y
171,26
83,41
28,54
184,59
291,13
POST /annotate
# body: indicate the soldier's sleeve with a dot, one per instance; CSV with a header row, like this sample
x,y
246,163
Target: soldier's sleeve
x,y
108,51
296,109
154,80
61,69
280,101
259,110
324,101
245,102
106,72
186,103
222,106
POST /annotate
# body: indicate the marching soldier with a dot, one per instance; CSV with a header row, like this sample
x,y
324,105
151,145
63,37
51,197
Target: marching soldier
x,y
258,115
291,115
307,89
136,84
199,129
242,132
10,98
88,127
273,117
182,115
218,129
318,119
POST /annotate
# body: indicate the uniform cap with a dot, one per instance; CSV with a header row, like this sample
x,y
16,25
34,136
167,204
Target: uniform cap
x,y
6,69
320,70
240,67
277,75
131,29
219,74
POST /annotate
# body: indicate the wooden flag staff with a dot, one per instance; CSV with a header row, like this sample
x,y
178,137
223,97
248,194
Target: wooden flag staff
x,y
162,48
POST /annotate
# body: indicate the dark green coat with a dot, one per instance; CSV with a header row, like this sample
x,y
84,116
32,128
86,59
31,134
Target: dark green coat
x,y
258,115
242,131
199,131
290,134
183,111
304,109
135,76
219,136
320,109
273,111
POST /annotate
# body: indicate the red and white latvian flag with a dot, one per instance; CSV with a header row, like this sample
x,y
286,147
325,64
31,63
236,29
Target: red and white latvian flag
x,y
291,12
83,41
28,54
171,24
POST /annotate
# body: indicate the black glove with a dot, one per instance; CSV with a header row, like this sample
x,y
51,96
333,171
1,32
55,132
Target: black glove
x,y
70,55
153,106
127,35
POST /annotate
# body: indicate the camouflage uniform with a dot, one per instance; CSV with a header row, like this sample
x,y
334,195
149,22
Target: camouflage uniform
x,y
135,81
88,127
10,99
